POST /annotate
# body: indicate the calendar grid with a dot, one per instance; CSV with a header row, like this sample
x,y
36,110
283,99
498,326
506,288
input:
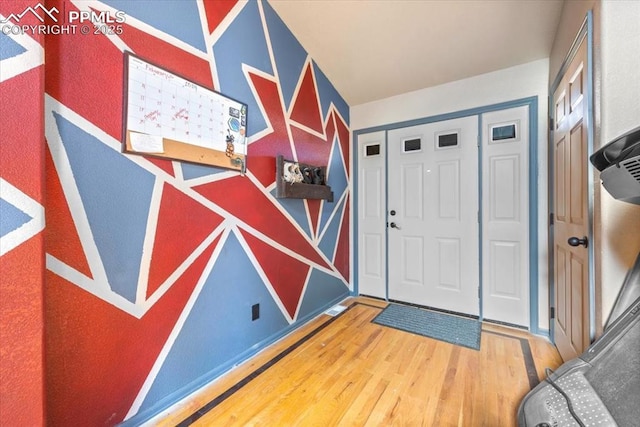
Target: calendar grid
x,y
164,105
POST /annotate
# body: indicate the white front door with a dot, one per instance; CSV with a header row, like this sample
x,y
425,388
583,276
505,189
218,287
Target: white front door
x,y
505,216
433,215
372,243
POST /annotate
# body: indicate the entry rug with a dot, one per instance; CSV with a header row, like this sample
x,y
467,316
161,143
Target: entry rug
x,y
444,327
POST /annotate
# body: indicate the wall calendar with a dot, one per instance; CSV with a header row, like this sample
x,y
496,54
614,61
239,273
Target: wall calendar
x,y
169,116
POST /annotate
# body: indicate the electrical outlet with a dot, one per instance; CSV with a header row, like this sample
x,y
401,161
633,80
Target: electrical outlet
x,y
255,312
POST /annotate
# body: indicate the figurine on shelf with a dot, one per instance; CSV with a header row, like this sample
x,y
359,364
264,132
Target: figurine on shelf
x,y
301,181
292,173
307,175
318,176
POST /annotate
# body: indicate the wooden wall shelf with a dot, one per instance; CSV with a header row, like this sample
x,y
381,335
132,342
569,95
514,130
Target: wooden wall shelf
x,y
286,190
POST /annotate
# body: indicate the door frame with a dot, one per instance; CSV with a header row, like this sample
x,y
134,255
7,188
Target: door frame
x,y
532,103
584,34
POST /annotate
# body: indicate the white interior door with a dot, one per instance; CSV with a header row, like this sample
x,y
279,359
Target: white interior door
x,y
433,215
505,216
372,243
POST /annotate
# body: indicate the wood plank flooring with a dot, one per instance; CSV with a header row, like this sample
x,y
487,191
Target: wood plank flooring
x,y
348,371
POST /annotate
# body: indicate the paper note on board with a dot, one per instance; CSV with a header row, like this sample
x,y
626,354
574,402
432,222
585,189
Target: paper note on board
x,y
146,143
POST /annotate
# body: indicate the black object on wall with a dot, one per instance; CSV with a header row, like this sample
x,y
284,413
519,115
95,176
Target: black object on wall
x,y
619,166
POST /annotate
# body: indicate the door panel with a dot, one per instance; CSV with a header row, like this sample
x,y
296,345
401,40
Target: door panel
x,y
560,176
504,192
505,216
412,256
449,190
563,293
372,250
449,264
577,196
578,270
413,194
433,236
372,243
571,264
504,273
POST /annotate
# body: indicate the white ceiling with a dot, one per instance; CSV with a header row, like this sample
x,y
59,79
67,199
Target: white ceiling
x,y
374,49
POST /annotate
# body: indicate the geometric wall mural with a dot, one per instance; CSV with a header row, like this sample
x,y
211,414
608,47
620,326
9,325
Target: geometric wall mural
x,y
22,221
152,265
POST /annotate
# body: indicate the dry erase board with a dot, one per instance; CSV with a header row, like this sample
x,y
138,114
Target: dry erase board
x,y
168,116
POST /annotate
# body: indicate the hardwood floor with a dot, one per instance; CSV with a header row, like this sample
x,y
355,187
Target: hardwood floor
x,y
348,371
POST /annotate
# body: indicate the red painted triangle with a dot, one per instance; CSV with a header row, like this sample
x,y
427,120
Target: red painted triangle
x,y
216,12
174,240
245,201
97,95
261,153
22,125
263,168
61,237
287,275
341,260
311,149
314,213
306,107
96,346
165,165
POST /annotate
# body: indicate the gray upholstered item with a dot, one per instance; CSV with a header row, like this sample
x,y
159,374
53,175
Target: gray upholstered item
x,y
603,384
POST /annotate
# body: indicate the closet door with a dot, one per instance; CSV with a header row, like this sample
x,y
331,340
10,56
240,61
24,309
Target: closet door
x,y
571,224
372,242
505,216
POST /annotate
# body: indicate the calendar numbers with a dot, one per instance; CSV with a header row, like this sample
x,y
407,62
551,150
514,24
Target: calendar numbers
x,y
163,104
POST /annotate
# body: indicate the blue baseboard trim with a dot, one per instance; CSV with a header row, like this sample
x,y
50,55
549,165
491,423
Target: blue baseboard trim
x,y
544,332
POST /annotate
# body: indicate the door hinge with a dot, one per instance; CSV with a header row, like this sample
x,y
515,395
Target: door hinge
x,y
478,141
552,314
550,124
551,219
479,292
